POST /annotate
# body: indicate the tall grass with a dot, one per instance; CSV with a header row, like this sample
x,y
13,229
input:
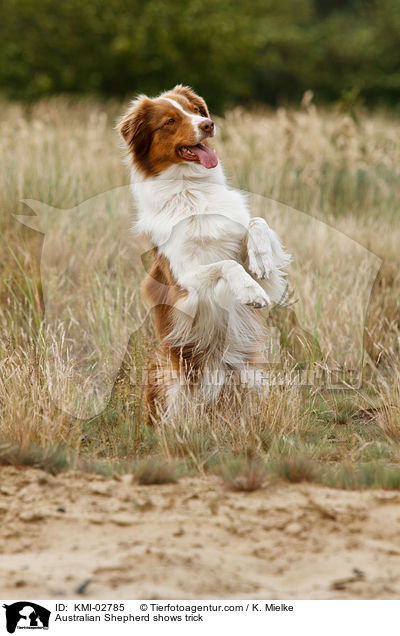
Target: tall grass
x,y
324,163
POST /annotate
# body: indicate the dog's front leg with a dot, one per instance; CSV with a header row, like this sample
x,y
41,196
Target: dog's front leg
x,y
264,250
225,281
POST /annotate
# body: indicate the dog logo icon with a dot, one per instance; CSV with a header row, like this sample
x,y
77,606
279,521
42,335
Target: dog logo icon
x,y
26,615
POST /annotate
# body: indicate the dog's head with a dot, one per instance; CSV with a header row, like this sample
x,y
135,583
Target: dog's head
x,y
170,129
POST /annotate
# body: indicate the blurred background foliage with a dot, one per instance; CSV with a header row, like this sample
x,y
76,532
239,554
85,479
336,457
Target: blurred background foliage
x,y
231,51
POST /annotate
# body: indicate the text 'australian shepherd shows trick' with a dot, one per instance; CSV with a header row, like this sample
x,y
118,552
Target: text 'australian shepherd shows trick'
x,y
214,267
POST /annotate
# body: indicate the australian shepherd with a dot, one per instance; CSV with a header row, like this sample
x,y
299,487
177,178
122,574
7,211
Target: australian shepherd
x,y
213,267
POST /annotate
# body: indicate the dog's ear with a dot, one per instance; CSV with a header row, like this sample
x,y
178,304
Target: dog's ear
x,y
135,127
194,99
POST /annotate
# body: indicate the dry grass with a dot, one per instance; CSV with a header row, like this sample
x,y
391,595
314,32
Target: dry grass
x,y
156,470
295,468
243,474
325,164
53,460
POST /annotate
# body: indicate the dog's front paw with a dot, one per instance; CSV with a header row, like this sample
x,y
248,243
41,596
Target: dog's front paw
x,y
260,261
253,295
260,248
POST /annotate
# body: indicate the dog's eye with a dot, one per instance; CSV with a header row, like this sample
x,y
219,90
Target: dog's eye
x,y
170,121
195,109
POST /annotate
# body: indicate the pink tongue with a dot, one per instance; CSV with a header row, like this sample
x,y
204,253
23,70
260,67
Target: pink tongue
x,y
206,156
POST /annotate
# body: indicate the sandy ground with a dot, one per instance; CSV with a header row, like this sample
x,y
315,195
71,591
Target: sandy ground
x,y
81,535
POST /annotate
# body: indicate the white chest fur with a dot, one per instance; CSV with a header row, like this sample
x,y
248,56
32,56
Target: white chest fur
x,y
191,215
198,222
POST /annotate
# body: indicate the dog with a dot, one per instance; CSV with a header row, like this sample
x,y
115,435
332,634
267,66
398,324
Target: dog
x,y
214,267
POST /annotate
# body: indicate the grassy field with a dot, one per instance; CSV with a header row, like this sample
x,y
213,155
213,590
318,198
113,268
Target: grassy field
x,y
338,169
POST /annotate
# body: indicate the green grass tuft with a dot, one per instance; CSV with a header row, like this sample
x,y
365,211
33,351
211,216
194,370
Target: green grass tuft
x,y
243,474
156,470
295,468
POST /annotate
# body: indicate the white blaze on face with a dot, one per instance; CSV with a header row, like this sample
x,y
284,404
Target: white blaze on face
x,y
196,119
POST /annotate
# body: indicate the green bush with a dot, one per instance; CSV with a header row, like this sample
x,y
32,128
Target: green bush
x,y
229,50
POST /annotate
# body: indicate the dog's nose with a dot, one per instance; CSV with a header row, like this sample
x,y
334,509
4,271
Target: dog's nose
x,y
207,126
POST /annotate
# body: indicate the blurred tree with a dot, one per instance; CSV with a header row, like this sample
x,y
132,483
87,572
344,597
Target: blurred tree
x,y
230,51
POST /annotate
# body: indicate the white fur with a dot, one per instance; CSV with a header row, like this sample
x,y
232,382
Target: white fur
x,y
199,224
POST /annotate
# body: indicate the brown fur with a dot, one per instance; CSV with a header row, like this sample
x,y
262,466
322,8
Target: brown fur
x,y
152,141
164,294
